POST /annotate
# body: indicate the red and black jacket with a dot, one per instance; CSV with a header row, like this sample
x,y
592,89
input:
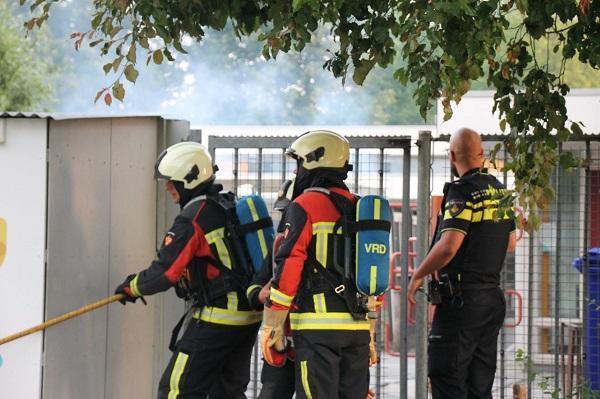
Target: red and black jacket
x,y
308,238
189,249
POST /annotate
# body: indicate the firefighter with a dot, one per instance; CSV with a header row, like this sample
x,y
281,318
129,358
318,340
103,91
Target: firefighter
x,y
277,381
332,347
213,355
472,242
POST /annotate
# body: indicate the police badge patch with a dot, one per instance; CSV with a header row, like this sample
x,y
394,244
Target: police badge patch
x,y
455,207
168,238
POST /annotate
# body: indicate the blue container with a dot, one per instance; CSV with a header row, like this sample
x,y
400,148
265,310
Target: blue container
x,y
592,327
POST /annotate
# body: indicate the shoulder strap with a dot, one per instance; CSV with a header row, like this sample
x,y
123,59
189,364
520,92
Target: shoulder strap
x,y
220,200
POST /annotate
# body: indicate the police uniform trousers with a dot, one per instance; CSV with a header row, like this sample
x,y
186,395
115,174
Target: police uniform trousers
x,y
463,345
209,360
332,364
277,382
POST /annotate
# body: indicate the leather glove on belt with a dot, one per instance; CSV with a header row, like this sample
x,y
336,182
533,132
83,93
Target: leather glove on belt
x,y
272,339
372,349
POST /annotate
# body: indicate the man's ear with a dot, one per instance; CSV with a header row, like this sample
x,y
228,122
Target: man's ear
x,y
452,156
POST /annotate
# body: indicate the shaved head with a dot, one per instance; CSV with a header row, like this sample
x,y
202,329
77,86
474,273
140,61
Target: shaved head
x,y
466,145
466,151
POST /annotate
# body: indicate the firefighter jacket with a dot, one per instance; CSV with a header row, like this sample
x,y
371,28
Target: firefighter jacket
x,y
298,285
189,250
471,206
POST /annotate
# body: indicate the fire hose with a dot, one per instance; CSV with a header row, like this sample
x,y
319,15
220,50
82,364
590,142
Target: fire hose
x,y
60,319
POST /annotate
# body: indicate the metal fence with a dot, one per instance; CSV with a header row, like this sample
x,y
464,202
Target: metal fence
x,y
547,343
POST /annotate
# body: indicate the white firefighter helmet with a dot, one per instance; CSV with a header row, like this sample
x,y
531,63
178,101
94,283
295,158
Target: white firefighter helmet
x,y
320,149
187,162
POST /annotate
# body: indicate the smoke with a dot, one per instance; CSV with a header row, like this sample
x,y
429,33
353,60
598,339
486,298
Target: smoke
x,y
222,81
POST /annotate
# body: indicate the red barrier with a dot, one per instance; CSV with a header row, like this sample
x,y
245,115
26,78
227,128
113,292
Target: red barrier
x,y
519,318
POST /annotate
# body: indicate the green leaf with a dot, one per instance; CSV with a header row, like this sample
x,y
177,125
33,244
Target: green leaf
x,y
117,63
179,47
131,73
503,125
361,72
144,43
96,21
168,55
131,54
157,57
118,91
576,129
107,68
522,6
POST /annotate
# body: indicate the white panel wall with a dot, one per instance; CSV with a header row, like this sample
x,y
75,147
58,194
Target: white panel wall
x,y
23,207
475,111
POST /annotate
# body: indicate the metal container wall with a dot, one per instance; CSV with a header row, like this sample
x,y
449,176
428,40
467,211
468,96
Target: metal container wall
x,y
102,226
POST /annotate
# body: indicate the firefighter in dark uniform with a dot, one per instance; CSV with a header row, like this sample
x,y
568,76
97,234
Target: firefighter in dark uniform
x,y
277,381
332,347
213,355
472,242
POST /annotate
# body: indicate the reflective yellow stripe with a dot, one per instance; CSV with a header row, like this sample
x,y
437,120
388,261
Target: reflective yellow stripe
x,y
228,317
252,288
321,248
133,286
304,373
373,282
280,298
215,238
377,209
322,231
486,204
178,367
488,214
466,214
232,300
260,233
323,227
327,321
320,304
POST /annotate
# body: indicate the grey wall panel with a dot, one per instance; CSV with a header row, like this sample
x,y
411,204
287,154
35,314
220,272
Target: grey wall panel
x,y
132,248
168,307
78,249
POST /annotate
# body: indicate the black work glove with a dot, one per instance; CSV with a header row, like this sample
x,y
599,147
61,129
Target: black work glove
x,y
124,289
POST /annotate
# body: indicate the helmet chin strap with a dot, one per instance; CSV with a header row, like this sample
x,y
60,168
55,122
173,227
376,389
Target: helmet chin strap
x,y
185,195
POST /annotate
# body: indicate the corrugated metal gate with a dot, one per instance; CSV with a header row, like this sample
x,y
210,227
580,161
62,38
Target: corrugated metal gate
x,y
549,345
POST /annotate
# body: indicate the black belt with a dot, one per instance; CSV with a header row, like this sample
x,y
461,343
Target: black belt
x,y
477,286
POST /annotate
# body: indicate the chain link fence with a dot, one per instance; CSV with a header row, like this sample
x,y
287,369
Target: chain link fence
x,y
549,346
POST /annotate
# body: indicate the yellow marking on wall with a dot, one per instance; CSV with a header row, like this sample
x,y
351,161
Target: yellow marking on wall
x,y
2,240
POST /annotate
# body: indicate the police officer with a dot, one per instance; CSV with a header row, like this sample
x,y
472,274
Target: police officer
x,y
472,241
332,347
213,355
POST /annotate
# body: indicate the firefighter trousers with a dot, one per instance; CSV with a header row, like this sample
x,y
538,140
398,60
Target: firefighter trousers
x,y
277,382
463,345
210,360
332,364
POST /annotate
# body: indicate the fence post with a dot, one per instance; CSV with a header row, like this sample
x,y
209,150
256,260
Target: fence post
x,y
557,343
423,214
406,230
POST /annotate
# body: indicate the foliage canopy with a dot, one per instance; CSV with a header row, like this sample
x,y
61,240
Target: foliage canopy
x,y
25,72
444,46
